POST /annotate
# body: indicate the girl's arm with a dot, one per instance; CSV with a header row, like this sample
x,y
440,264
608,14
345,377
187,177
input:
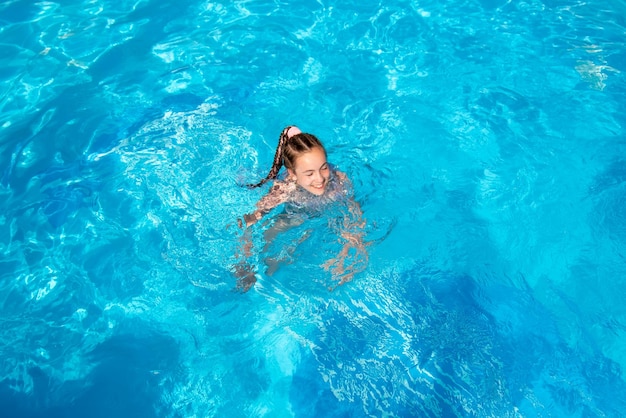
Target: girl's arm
x,y
278,194
353,257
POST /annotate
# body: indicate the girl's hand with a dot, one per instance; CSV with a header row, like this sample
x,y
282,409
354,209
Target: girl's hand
x,y
250,218
352,258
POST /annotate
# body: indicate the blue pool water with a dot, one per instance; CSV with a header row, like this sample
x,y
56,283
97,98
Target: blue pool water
x,y
486,144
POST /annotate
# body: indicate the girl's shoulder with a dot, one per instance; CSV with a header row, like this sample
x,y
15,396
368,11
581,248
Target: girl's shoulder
x,y
283,186
339,174
341,183
279,192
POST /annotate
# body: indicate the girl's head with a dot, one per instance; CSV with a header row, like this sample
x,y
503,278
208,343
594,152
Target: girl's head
x,y
304,157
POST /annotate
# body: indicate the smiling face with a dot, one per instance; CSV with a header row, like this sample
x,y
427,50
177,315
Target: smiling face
x,y
311,171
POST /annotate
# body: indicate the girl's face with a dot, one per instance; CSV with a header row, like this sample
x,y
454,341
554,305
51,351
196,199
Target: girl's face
x,y
311,171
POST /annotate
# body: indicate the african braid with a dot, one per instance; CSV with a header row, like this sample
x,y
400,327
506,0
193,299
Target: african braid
x,y
278,159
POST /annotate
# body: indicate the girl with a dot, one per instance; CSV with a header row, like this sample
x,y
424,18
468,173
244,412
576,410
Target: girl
x,y
310,187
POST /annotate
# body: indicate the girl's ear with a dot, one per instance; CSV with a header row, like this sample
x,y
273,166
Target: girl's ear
x,y
291,173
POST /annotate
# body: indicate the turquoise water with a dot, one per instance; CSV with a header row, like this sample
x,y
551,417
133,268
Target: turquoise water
x,y
486,144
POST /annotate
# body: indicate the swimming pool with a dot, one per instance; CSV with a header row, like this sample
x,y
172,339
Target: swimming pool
x,y
485,141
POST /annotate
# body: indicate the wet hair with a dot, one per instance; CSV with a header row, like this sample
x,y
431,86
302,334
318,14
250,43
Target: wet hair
x,y
288,150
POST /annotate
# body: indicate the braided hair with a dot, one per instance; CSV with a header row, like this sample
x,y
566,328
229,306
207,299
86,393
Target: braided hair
x,y
288,150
